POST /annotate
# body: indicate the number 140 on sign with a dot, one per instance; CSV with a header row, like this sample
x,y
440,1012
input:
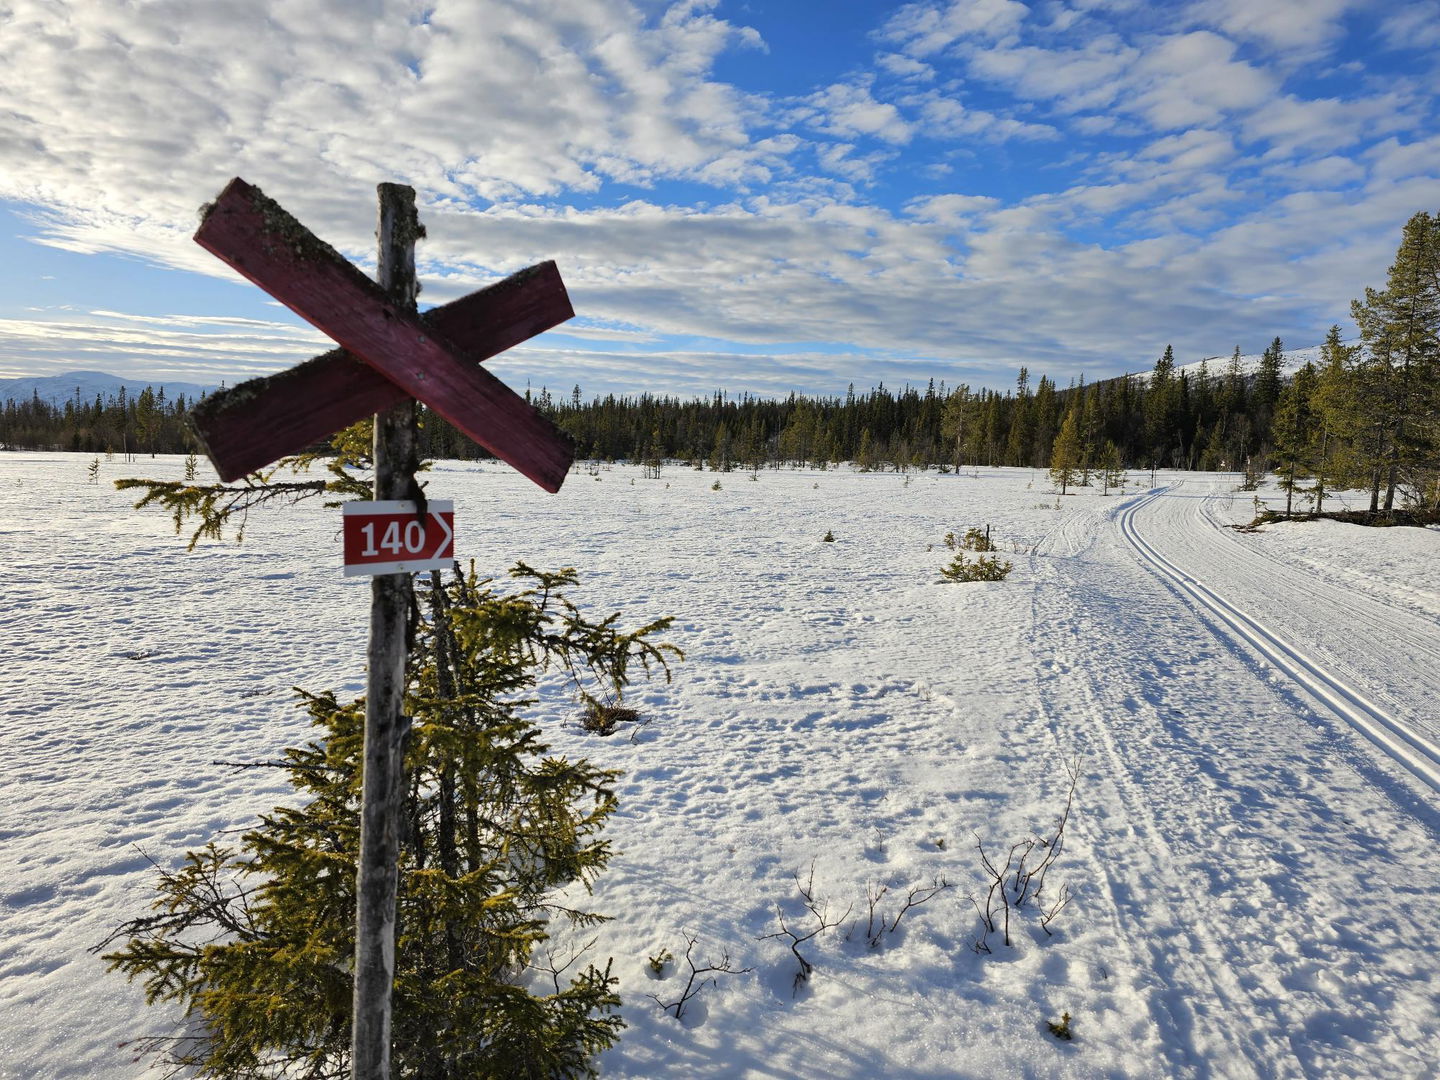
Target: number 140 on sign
x,y
391,538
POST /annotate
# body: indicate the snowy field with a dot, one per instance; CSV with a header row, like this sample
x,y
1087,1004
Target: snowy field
x,y
1251,855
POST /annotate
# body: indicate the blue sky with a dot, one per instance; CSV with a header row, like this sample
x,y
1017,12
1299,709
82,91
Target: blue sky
x,y
758,197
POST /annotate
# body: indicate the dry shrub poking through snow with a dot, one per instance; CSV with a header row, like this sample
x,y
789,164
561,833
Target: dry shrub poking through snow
x,y
603,719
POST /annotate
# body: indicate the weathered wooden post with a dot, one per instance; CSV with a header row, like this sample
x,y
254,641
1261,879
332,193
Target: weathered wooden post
x,y
389,357
391,597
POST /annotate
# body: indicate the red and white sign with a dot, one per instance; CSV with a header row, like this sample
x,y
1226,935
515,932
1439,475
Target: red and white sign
x,y
390,538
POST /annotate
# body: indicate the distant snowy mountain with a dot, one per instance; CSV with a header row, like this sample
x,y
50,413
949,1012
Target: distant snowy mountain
x,y
59,389
1294,360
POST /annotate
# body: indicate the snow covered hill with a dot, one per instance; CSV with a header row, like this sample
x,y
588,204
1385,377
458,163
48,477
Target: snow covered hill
x,y
59,389
1293,360
1250,855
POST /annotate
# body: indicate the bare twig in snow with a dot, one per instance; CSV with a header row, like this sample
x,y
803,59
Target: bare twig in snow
x,y
692,987
820,910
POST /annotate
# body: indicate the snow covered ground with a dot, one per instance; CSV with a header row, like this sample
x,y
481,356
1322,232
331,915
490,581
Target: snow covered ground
x,y
1251,853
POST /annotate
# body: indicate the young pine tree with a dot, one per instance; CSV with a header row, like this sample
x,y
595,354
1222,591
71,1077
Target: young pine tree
x,y
255,941
1400,373
1112,469
1295,432
1162,407
1342,430
1268,381
1065,456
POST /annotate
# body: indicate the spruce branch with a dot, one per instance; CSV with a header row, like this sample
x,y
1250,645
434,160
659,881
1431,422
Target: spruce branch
x,y
213,507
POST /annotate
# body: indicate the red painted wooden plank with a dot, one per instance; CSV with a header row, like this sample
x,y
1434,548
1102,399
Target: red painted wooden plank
x,y
256,236
250,425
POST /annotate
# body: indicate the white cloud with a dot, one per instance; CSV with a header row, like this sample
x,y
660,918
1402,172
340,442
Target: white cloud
x,y
1073,79
1393,160
847,110
924,29
1324,173
945,117
1195,149
1304,27
904,67
173,347
1412,25
126,117
1289,124
1193,79
951,210
1172,82
839,159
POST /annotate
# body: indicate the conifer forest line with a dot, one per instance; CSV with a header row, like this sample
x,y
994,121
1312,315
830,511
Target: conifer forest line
x,y
1367,415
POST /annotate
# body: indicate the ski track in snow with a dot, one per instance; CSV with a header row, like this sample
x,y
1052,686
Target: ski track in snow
x,y
1226,797
1255,890
1412,748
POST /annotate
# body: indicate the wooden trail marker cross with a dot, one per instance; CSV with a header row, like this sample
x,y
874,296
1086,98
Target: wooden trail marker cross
x,y
433,358
389,355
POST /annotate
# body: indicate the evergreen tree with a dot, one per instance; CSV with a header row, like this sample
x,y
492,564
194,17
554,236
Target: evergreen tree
x,y
1065,456
1296,432
1022,423
1267,384
957,419
1229,438
1399,380
1045,411
866,457
148,419
1201,413
1161,409
1089,430
255,941
654,455
1339,425
1112,469
720,460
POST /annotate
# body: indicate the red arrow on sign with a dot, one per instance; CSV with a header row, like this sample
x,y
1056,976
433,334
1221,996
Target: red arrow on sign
x,y
389,537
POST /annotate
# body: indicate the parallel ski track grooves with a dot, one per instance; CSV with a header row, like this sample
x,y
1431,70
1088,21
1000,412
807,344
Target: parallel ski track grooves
x,y
1360,605
1418,754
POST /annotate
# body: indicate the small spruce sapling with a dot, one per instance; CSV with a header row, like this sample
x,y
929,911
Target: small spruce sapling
x,y
981,568
973,540
978,569
660,962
